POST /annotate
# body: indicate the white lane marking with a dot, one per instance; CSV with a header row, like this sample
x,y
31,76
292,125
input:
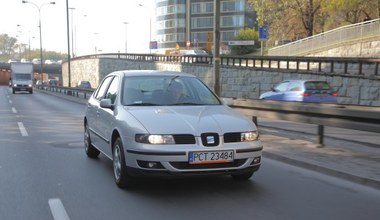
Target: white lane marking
x,y
22,129
57,209
14,110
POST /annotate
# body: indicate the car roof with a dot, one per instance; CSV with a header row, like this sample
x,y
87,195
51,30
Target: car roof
x,y
151,73
304,80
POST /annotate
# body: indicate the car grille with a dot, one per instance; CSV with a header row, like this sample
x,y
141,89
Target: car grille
x,y
190,139
21,85
187,166
184,139
232,137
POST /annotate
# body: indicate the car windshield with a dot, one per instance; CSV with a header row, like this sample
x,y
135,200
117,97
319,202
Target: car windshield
x,y
166,90
22,76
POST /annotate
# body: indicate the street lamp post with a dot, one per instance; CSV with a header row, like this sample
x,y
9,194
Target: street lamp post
x,y
72,32
29,58
39,25
126,37
150,28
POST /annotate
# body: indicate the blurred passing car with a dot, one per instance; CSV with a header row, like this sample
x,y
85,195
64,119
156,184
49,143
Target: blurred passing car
x,y
302,91
167,123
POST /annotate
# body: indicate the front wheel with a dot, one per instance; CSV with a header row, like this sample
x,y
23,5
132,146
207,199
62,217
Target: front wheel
x,y
91,151
122,179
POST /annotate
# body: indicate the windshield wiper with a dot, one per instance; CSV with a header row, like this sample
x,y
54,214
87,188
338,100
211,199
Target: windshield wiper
x,y
187,103
142,104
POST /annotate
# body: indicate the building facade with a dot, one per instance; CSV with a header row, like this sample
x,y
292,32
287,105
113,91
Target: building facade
x,y
189,23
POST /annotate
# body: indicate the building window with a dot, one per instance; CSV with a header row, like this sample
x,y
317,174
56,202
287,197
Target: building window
x,y
227,35
180,37
204,22
232,6
202,8
199,37
232,21
171,9
178,23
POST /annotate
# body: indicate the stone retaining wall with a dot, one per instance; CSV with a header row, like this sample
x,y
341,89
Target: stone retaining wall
x,y
237,82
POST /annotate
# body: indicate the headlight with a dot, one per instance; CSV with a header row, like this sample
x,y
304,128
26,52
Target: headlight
x,y
249,136
154,139
30,85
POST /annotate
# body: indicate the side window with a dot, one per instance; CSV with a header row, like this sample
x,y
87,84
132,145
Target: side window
x,y
282,87
103,87
113,90
294,86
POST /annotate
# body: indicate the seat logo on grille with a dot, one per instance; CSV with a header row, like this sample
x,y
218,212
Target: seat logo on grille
x,y
210,140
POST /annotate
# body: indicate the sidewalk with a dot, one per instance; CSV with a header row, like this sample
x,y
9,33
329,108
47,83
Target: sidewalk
x,y
348,160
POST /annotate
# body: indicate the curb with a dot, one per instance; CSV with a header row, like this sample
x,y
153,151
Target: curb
x,y
328,171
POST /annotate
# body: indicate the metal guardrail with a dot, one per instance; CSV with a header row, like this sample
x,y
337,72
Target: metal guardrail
x,y
70,91
330,39
329,65
363,118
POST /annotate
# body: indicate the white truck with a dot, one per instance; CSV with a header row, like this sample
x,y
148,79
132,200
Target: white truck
x,y
22,77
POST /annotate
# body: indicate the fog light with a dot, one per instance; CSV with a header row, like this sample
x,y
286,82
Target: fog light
x,y
256,160
150,164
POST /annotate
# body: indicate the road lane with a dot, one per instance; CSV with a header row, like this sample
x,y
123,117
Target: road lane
x,y
51,163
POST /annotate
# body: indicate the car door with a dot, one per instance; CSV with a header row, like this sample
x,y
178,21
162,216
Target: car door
x,y
279,91
93,109
106,117
293,92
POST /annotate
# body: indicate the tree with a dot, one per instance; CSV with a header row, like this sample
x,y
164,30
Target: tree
x,y
350,11
7,46
295,19
307,10
247,34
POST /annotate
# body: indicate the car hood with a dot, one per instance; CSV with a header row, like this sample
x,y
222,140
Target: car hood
x,y
191,119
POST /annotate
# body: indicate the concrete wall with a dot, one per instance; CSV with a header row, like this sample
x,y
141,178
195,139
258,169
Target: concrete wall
x,y
235,81
357,49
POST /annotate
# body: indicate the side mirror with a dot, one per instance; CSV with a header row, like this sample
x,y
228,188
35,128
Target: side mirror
x,y
106,103
228,101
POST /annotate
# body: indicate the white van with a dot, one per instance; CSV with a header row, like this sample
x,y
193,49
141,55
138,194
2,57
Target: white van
x,y
197,56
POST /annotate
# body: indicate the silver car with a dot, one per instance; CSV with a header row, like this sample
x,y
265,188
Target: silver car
x,y
167,123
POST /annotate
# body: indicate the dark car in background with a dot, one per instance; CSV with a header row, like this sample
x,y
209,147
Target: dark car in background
x,y
302,91
84,84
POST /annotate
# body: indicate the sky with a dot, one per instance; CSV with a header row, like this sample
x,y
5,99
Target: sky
x,y
97,26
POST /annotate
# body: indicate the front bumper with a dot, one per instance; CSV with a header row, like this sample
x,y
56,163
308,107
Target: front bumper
x,y
164,173
247,157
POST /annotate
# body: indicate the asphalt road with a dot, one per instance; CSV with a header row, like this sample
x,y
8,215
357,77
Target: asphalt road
x,y
45,174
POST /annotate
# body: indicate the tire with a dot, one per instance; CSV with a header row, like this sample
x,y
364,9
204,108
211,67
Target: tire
x,y
242,176
13,91
122,179
91,151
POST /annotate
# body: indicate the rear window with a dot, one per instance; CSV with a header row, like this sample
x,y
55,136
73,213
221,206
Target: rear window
x,y
317,85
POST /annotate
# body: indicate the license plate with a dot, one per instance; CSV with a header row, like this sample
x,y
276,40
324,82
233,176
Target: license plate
x,y
208,157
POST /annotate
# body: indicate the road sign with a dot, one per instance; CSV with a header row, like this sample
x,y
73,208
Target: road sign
x,y
263,33
153,45
241,42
